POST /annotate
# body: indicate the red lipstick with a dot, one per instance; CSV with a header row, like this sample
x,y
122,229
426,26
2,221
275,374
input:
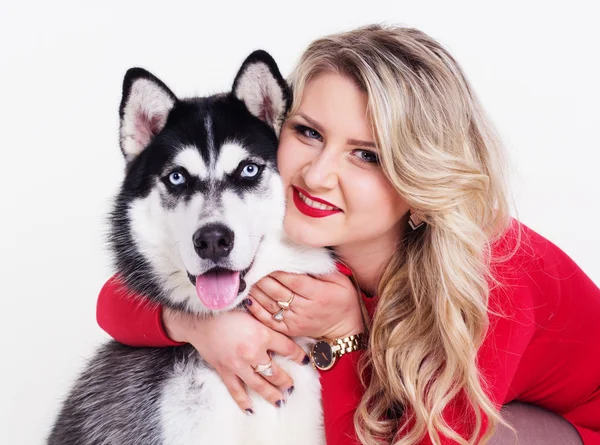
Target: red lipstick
x,y
308,210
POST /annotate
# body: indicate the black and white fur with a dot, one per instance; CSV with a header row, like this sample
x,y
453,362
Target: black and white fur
x,y
170,396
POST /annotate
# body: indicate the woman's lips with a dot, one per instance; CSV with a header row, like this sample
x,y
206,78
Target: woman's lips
x,y
312,198
311,211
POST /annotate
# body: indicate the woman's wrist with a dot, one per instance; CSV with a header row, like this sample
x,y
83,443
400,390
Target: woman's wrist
x,y
352,324
178,324
351,328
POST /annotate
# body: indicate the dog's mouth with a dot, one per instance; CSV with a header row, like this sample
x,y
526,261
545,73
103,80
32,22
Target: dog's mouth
x,y
218,287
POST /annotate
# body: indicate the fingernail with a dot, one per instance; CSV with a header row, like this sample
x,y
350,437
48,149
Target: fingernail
x,y
280,403
248,302
249,412
290,390
305,360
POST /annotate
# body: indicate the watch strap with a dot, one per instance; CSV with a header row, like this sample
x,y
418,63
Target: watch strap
x,y
349,344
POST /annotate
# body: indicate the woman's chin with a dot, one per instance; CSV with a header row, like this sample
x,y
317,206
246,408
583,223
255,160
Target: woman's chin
x,y
305,235
304,240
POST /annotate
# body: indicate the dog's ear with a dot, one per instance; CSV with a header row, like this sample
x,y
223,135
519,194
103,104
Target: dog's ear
x,y
145,106
262,88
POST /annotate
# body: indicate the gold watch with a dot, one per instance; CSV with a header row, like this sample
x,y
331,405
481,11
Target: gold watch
x,y
324,353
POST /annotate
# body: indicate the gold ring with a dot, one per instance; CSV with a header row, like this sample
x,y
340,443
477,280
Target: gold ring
x,y
279,315
286,304
265,370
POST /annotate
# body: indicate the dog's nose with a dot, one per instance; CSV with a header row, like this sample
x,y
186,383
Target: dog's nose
x,y
213,242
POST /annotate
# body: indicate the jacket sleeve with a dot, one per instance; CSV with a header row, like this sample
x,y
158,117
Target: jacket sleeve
x,y
129,318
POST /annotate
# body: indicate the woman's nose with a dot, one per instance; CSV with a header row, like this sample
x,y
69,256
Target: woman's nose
x,y
321,171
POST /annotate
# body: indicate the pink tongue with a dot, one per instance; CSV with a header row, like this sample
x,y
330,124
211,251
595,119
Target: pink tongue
x,y
218,288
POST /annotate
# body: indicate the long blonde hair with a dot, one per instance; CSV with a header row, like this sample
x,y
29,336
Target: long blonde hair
x,y
441,154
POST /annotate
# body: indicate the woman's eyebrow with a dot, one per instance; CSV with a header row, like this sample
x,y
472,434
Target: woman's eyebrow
x,y
361,143
320,129
312,122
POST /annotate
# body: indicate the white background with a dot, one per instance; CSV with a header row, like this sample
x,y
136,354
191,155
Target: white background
x,y
533,64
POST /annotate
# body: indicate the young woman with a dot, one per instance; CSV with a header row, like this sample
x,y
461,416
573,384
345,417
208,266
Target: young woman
x,y
388,157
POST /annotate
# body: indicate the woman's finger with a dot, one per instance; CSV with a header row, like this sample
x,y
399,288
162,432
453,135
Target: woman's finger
x,y
299,284
286,347
266,317
238,391
280,379
268,303
309,286
262,385
278,292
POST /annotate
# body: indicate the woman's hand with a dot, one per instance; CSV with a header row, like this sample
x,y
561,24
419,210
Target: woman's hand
x,y
327,306
233,343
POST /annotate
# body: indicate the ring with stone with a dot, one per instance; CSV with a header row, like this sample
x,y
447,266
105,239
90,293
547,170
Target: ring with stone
x,y
286,304
279,315
264,370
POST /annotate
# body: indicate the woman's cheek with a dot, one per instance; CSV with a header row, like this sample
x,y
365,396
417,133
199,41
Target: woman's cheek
x,y
283,161
289,159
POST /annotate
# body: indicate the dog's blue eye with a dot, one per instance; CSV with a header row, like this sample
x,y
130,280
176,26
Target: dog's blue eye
x,y
176,178
250,171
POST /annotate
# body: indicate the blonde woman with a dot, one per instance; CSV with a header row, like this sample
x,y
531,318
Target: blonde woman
x,y
466,309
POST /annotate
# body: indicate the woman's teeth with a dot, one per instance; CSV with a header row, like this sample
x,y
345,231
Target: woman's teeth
x,y
315,205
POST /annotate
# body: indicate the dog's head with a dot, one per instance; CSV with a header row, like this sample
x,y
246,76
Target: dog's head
x,y
201,188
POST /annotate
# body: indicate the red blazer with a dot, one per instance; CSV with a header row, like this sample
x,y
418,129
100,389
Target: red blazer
x,y
545,350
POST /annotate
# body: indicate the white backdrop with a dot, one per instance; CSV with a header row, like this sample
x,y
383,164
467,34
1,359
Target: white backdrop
x,y
533,64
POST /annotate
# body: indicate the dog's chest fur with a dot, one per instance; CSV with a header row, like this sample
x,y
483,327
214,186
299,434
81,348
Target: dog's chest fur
x,y
196,408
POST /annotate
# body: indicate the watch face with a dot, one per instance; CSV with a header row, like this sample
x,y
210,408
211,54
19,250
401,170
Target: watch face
x,y
322,355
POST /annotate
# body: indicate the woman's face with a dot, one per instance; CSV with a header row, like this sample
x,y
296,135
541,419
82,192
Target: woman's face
x,y
327,154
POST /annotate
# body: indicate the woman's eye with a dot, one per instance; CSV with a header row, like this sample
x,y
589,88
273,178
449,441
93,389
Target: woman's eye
x,y
367,156
176,178
250,171
308,132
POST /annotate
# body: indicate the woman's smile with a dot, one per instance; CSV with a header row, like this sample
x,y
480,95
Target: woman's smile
x,y
311,205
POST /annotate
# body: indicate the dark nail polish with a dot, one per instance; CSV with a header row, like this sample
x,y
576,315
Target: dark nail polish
x,y
290,390
306,360
248,302
249,411
280,403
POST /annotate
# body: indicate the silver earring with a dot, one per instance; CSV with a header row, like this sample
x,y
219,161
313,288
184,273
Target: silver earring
x,y
414,221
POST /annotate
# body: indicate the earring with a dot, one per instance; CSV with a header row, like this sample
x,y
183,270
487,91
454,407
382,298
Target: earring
x,y
414,221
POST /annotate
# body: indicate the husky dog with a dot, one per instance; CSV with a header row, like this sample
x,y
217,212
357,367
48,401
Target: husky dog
x,y
198,220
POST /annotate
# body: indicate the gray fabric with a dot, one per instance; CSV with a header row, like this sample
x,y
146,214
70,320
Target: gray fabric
x,y
534,426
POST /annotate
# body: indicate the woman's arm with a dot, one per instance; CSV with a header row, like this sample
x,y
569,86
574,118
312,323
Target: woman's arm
x,y
232,342
129,318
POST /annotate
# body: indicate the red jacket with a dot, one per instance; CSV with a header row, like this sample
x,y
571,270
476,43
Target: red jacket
x,y
544,351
